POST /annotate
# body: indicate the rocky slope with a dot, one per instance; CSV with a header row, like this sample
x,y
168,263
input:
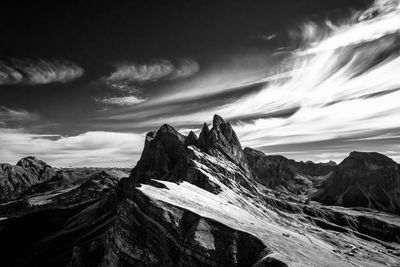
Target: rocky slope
x,y
369,180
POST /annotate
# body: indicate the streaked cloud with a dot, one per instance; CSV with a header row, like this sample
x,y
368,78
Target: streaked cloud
x,y
128,79
268,37
35,72
121,101
11,115
152,71
140,73
381,19
184,68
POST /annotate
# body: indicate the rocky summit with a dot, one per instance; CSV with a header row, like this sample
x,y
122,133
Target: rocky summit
x,y
206,201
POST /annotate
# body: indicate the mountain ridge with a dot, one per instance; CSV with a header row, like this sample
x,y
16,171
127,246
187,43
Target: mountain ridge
x,y
206,201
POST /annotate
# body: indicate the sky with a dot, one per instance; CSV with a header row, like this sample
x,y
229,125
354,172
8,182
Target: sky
x,y
82,83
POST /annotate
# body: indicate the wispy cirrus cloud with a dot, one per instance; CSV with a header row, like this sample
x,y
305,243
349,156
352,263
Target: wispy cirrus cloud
x,y
36,72
152,71
128,79
121,101
12,117
184,68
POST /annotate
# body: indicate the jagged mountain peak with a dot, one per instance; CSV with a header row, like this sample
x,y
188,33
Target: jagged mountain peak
x,y
221,138
192,139
217,121
163,151
168,129
168,155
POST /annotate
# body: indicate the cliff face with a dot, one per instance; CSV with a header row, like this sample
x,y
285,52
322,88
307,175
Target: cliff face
x,y
15,179
369,180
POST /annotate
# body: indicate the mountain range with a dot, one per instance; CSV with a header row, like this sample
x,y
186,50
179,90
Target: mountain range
x,y
203,201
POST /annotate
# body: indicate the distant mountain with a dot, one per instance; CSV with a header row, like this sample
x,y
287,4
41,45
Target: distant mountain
x,y
278,172
16,179
363,179
33,176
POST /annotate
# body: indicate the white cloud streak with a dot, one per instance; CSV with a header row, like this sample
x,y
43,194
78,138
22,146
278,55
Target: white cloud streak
x,y
36,72
152,71
121,101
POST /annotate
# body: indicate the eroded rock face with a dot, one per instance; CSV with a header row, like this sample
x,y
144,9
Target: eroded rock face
x,y
363,179
15,179
163,157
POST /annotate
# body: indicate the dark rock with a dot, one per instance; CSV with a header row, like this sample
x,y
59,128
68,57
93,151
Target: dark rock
x,y
166,155
192,140
223,139
163,156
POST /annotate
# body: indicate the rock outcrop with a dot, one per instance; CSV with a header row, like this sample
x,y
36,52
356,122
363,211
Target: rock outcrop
x,y
163,156
168,155
222,138
363,179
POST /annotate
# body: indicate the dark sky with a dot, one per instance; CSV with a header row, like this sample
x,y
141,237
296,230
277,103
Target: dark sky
x,y
73,69
96,31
